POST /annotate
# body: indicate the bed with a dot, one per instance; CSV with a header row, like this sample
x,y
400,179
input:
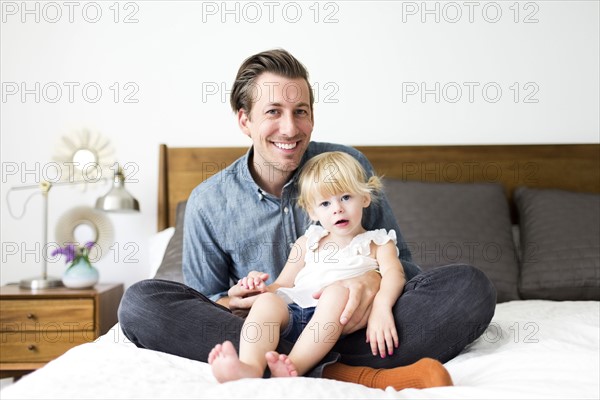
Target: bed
x,y
527,215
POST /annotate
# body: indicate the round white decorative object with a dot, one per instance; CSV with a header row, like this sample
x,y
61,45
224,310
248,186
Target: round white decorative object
x,y
84,155
83,224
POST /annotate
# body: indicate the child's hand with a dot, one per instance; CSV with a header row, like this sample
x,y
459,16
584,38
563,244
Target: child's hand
x,y
254,281
381,332
243,294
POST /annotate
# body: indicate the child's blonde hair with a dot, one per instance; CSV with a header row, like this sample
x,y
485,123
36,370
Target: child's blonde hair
x,y
333,173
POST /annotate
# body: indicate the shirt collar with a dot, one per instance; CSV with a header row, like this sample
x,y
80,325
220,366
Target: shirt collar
x,y
247,175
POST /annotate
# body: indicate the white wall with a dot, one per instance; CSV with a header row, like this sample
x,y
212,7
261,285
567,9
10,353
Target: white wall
x,y
367,60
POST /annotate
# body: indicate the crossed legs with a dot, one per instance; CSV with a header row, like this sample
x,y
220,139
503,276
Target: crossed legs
x,y
440,312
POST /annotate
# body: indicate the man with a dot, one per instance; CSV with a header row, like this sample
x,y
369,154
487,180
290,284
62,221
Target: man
x,y
246,218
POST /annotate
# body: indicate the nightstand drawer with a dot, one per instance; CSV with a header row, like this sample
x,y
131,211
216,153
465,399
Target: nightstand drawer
x,y
37,326
39,346
47,315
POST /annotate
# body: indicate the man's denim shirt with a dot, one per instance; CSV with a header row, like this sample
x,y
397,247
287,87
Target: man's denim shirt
x,y
233,227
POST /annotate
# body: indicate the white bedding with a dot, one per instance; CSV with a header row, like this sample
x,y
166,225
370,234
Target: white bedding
x,y
532,349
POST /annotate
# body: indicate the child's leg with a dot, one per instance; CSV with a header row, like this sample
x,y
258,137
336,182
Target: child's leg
x,y
268,316
319,336
260,334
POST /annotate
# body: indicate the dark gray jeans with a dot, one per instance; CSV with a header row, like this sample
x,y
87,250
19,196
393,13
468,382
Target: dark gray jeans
x,y
439,313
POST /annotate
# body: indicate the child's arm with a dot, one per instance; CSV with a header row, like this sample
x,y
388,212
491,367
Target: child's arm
x,y
295,262
381,328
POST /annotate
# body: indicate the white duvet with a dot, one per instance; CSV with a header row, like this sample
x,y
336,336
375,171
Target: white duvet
x,y
532,349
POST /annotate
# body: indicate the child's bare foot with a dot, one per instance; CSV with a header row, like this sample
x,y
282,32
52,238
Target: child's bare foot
x,y
280,365
226,366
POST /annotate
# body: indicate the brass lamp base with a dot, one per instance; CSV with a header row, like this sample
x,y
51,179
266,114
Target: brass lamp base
x,y
40,283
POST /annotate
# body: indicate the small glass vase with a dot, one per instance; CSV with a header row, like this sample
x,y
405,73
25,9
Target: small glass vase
x,y
80,275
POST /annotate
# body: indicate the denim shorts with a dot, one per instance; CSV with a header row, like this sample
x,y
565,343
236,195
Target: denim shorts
x,y
299,318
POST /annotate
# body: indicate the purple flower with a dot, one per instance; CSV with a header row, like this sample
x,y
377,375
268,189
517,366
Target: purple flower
x,y
71,252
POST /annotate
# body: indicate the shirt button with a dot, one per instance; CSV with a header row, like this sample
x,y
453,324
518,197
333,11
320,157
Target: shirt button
x,y
286,210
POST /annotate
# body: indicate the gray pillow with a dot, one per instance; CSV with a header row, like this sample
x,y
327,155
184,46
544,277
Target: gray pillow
x,y
560,241
458,223
170,266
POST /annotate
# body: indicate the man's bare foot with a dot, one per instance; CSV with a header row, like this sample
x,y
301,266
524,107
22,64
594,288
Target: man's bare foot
x,y
280,365
226,366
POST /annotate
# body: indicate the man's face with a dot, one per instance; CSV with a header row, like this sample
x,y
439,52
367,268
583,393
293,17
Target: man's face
x,y
280,124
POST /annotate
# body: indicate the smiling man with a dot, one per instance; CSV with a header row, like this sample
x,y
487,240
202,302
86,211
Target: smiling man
x,y
280,124
246,218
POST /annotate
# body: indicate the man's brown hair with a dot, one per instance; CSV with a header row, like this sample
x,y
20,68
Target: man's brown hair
x,y
276,61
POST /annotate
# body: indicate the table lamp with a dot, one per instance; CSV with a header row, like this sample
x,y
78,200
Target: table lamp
x,y
118,199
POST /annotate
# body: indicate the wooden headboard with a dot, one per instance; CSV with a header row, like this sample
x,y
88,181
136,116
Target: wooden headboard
x,y
565,166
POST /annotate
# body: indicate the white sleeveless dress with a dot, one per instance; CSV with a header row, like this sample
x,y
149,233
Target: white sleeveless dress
x,y
332,263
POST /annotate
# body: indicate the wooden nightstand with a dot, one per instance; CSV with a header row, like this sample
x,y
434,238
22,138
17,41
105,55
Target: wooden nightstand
x,y
36,326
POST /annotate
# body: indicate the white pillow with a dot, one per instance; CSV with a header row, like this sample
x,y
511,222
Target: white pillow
x,y
157,245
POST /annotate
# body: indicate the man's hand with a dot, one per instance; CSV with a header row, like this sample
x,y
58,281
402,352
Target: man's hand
x,y
362,291
242,295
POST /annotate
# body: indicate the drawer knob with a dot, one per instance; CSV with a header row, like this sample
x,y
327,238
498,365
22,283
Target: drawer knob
x,y
30,316
31,347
